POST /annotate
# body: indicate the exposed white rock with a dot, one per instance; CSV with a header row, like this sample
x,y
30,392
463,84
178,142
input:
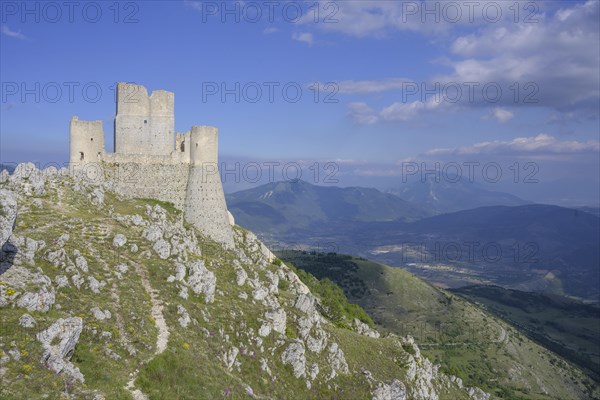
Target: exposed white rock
x,y
184,316
318,342
152,233
179,272
81,263
183,292
229,358
59,342
61,281
162,248
27,321
477,394
336,360
201,280
122,268
392,391
277,319
264,366
264,330
259,293
97,196
41,301
313,372
119,240
305,302
240,276
364,329
77,280
99,314
294,355
95,285
56,257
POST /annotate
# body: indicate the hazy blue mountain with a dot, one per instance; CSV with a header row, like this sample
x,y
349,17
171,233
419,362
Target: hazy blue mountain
x,y
444,196
532,247
291,205
594,210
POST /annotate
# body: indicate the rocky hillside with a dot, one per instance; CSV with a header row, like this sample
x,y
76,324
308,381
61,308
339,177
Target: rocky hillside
x,y
464,337
103,297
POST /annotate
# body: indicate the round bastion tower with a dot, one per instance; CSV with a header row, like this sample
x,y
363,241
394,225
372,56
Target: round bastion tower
x,y
205,205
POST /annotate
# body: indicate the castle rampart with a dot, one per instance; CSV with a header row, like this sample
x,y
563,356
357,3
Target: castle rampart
x,y
152,161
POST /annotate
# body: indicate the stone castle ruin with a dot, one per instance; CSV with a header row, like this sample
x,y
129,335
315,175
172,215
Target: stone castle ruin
x,y
151,160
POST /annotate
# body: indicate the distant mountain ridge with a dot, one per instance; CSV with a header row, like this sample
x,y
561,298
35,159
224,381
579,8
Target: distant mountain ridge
x,y
444,196
542,247
279,206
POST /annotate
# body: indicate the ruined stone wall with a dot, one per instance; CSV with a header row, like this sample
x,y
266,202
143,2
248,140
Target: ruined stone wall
x,y
86,144
163,178
205,205
144,124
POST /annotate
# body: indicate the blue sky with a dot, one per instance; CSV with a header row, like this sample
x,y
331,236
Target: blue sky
x,y
385,63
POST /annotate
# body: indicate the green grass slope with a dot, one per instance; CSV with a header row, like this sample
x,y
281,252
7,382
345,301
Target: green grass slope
x,y
466,340
567,327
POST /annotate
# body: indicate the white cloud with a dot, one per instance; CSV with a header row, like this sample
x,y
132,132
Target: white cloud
x,y
8,32
502,115
380,18
549,61
559,55
304,37
541,143
362,114
372,86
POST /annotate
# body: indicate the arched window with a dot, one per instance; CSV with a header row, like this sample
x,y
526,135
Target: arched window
x,y
81,155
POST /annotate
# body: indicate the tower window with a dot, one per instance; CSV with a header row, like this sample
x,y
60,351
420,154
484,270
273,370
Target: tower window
x,y
81,155
145,121
92,139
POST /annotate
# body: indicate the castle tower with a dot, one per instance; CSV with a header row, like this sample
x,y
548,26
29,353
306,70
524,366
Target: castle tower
x,y
144,124
86,144
205,205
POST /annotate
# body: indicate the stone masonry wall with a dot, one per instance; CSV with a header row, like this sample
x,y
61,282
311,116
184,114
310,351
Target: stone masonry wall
x,y
163,178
